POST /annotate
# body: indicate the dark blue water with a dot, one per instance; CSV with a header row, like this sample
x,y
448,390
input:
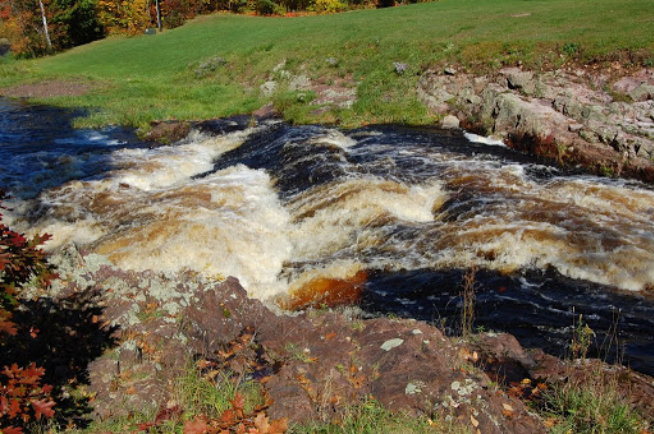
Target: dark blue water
x,y
39,148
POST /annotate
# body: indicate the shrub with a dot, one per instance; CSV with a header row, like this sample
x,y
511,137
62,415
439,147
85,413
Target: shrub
x,y
23,398
269,7
328,6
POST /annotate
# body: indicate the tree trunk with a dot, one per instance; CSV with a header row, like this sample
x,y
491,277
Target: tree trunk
x,y
45,26
158,15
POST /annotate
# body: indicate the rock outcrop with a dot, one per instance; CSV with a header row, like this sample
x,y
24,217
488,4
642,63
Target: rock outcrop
x,y
316,363
575,117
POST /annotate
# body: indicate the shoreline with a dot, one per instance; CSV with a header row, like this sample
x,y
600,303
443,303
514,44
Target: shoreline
x,y
601,121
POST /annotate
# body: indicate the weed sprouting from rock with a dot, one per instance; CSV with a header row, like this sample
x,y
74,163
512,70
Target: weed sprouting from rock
x,y
469,288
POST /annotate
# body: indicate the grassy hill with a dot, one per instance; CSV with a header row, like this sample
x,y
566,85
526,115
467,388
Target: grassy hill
x,y
155,77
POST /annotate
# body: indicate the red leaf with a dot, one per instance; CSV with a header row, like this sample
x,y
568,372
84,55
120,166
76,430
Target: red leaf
x,y
144,426
238,403
12,430
228,418
7,326
14,408
168,414
43,407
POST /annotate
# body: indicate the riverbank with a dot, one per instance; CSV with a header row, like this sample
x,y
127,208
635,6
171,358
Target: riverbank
x,y
139,350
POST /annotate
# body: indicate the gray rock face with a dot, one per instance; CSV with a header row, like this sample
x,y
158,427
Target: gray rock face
x,y
268,88
642,93
520,80
299,82
450,122
559,108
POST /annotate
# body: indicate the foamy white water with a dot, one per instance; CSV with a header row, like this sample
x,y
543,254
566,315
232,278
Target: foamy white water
x,y
388,204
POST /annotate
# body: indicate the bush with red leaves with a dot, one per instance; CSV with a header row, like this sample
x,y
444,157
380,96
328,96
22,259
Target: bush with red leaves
x,y
23,399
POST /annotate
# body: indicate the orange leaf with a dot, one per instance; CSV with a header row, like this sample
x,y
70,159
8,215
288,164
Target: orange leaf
x,y
196,426
228,418
261,422
238,402
278,426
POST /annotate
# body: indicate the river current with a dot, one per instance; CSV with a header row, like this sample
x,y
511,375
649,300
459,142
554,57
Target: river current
x,y
388,218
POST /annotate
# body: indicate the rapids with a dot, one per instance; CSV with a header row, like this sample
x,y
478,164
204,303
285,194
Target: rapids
x,y
386,217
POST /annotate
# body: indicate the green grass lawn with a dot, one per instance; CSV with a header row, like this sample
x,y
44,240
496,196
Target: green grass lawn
x,y
153,77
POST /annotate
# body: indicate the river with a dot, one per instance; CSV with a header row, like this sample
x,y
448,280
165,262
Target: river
x,y
385,217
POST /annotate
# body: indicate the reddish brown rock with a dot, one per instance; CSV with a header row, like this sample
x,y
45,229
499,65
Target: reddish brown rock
x,y
165,133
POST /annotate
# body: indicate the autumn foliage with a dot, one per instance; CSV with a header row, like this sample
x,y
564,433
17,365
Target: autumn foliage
x,y
23,399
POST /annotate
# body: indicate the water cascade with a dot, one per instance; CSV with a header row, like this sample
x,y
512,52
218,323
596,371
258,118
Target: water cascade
x,y
385,217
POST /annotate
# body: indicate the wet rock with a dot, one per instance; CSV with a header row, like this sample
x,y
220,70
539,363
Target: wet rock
x,y
165,133
450,122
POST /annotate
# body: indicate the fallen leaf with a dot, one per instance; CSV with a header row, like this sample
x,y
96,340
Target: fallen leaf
x,y
278,426
238,403
261,422
550,422
228,418
196,426
474,421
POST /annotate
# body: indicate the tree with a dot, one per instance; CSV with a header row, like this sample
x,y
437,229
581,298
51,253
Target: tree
x,y
122,16
37,27
45,26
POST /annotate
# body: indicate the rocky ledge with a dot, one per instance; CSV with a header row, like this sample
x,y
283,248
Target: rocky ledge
x,y
601,120
313,364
